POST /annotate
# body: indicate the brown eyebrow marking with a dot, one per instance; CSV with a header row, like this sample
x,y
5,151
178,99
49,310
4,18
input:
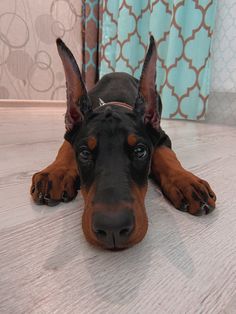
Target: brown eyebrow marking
x,y
132,139
92,142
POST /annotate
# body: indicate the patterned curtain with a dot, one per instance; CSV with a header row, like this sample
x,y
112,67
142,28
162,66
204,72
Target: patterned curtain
x,y
183,32
91,34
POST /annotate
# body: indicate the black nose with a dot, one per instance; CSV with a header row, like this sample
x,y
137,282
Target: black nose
x,y
113,228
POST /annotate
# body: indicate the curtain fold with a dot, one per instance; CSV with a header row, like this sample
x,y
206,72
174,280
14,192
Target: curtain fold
x,y
91,35
183,33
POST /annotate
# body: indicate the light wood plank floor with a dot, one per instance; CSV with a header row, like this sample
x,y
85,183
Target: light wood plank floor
x,y
185,264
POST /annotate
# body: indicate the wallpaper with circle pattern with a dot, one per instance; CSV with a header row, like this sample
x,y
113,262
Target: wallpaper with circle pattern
x,y
183,33
29,64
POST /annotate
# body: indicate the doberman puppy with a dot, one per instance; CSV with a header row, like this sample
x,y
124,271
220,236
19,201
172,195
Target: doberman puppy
x,y
113,143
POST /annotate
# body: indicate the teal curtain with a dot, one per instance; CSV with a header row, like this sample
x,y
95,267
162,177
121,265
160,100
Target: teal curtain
x,y
183,33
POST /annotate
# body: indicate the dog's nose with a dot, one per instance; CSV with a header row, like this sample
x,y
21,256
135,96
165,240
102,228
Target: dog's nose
x,y
113,228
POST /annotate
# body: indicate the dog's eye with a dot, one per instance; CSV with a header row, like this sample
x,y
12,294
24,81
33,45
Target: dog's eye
x,y
140,151
84,154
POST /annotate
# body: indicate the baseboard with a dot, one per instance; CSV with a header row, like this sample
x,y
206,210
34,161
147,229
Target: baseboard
x,y
31,103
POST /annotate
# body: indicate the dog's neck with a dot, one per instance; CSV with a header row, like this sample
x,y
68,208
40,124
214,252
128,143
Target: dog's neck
x,y
114,103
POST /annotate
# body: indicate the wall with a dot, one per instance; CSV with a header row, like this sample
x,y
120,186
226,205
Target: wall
x,y
29,65
224,48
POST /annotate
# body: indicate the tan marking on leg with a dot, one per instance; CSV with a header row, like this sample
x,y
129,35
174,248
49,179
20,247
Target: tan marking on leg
x,y
179,185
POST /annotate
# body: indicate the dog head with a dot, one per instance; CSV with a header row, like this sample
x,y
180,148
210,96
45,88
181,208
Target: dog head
x,y
113,146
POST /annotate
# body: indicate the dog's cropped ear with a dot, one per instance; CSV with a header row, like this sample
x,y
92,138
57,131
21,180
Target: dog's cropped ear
x,y
148,102
78,102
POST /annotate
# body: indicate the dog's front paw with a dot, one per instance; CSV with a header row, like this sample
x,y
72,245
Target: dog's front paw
x,y
189,193
54,184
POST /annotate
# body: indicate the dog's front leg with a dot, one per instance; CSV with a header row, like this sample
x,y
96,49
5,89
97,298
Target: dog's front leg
x,y
184,190
59,181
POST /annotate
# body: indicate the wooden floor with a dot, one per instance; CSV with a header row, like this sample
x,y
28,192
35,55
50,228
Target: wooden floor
x,y
185,264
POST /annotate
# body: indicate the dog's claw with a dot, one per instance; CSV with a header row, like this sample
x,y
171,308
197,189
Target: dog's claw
x,y
40,199
47,198
65,197
48,201
52,203
184,207
205,209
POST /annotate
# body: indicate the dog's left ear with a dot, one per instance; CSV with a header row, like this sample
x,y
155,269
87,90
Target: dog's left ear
x,y
147,102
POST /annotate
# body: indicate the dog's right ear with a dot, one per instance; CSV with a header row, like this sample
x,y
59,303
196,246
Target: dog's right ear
x,y
78,102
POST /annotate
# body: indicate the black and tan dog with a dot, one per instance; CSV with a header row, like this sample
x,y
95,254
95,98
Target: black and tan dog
x,y
112,146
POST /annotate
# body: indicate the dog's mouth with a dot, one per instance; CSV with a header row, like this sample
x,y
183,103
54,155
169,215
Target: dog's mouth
x,y
115,247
